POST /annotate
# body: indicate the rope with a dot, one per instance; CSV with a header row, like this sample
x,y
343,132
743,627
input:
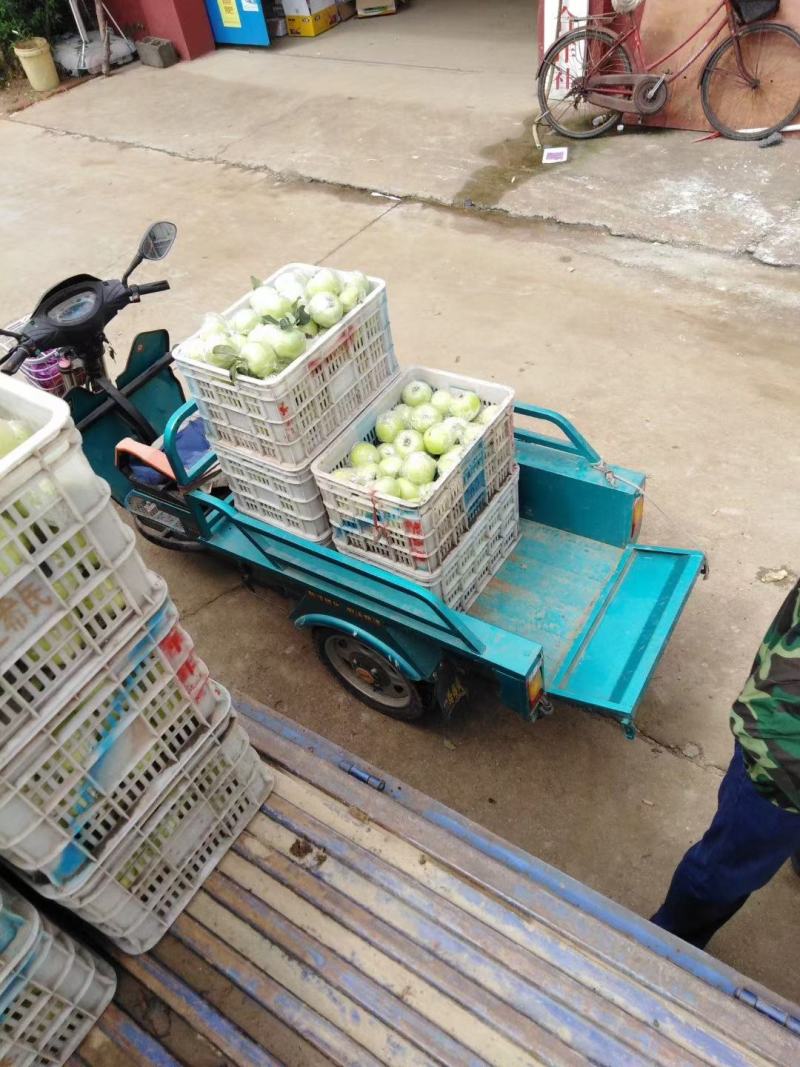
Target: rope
x,y
617,479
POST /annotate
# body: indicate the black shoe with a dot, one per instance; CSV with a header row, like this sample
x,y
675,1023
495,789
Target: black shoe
x,y
796,863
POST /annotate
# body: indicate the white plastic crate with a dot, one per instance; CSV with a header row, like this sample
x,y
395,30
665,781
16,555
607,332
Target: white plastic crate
x,y
47,488
290,417
284,498
51,999
416,538
107,756
20,926
479,556
144,884
61,656
71,580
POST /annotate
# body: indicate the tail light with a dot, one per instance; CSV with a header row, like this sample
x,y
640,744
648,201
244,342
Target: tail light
x,y
638,515
535,688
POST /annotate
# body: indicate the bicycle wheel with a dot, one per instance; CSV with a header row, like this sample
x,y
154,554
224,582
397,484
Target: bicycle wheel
x,y
737,109
562,96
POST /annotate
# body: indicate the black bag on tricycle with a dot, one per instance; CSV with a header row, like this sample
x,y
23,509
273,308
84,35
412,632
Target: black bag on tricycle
x,y
754,10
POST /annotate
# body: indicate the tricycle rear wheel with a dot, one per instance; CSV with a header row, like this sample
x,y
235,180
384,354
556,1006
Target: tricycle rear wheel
x,y
369,675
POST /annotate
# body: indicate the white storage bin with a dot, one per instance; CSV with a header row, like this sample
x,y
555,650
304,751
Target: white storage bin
x,y
20,927
46,483
284,498
416,538
479,556
287,419
144,883
71,580
107,756
51,1000
62,646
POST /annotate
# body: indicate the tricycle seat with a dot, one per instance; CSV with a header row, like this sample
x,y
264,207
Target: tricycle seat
x,y
148,466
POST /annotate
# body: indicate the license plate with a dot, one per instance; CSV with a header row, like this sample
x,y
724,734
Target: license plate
x,y
450,689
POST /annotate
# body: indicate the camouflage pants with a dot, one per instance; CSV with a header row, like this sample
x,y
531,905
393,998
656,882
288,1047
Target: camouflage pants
x,y
748,841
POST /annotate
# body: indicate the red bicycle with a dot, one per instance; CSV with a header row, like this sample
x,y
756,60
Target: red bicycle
x,y
750,85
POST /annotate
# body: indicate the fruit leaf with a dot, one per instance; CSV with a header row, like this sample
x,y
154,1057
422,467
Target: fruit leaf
x,y
237,368
256,284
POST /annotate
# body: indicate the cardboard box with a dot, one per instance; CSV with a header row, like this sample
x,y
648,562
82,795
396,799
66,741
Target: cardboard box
x,y
313,24
346,9
306,8
368,8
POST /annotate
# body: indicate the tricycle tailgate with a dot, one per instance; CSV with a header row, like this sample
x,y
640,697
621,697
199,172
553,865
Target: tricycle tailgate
x,y
616,652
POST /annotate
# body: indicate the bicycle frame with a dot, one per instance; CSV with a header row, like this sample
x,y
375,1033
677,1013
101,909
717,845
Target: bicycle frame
x,y
633,37
658,64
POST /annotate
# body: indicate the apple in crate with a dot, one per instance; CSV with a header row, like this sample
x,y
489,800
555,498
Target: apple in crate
x,y
407,442
419,468
423,417
416,393
388,425
362,453
466,406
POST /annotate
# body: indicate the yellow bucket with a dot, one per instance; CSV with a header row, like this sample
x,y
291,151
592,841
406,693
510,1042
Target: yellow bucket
x,y
37,61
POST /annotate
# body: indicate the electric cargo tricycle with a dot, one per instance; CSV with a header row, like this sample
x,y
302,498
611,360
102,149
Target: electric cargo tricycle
x,y
579,612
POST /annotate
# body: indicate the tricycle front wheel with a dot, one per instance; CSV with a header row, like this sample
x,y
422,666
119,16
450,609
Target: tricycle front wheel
x,y
369,675
170,539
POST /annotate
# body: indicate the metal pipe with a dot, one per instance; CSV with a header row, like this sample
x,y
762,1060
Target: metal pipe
x,y
79,23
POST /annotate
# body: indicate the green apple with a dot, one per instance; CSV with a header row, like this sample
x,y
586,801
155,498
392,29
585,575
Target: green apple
x,y
419,468
363,452
416,393
423,417
407,490
438,439
408,441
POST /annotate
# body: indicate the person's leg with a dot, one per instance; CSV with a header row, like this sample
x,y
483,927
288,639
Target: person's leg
x,y
748,841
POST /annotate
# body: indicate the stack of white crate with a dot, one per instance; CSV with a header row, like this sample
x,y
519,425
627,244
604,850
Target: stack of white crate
x,y
52,990
267,432
459,536
124,776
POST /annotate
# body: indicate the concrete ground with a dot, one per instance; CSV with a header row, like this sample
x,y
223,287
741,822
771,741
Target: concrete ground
x,y
677,360
437,104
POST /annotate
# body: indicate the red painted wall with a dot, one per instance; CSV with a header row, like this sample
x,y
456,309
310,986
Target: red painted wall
x,y
184,22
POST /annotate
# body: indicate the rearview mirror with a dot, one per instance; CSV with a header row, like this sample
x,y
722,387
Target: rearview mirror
x,y
158,240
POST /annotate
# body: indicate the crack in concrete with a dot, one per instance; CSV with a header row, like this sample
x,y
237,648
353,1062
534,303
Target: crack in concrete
x,y
676,750
288,177
358,233
202,607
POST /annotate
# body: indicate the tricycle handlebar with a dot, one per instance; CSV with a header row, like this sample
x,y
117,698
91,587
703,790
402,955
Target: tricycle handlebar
x,y
577,442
